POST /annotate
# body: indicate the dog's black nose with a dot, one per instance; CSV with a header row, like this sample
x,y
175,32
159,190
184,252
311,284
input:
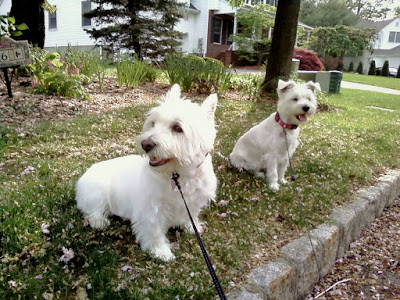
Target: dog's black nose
x,y
306,108
147,145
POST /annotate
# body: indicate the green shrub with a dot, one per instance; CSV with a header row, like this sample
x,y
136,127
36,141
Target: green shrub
x,y
84,61
385,69
351,67
55,77
248,84
398,72
192,72
372,70
89,63
131,71
360,68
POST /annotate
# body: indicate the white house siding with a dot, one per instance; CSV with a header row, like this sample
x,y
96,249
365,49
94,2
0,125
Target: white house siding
x,y
69,29
384,35
5,7
195,28
188,27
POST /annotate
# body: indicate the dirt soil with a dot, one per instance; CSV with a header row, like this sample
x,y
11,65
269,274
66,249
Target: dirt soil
x,y
26,108
371,267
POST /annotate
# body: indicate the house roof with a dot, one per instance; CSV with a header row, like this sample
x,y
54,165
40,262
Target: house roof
x,y
191,6
304,25
394,51
377,25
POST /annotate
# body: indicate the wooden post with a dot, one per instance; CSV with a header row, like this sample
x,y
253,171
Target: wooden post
x,y
8,82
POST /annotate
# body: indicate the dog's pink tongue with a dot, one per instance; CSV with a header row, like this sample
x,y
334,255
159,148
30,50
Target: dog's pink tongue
x,y
303,118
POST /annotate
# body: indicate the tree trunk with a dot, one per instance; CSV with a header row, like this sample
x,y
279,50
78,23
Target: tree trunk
x,y
283,41
31,13
134,7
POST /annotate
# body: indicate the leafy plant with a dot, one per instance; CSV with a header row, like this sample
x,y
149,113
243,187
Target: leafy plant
x,y
372,69
309,61
351,67
131,71
341,40
360,68
248,85
182,69
252,39
89,63
55,77
8,27
192,72
385,69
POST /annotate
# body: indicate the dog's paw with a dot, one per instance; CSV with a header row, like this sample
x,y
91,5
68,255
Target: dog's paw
x,y
163,252
98,222
274,186
189,228
260,174
283,181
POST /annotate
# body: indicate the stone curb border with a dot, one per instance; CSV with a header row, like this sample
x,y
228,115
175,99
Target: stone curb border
x,y
294,274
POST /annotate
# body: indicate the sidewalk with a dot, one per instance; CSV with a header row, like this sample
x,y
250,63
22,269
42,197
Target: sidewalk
x,y
366,87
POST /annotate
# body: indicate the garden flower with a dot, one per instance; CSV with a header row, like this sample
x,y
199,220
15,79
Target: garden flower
x,y
67,256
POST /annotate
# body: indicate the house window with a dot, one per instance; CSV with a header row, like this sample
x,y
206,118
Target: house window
x,y
53,20
255,2
394,37
216,36
86,7
221,30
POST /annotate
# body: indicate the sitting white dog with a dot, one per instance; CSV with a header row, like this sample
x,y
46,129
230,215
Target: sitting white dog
x,y
262,150
177,137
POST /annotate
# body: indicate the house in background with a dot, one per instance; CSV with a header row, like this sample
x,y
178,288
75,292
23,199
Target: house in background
x,y
386,46
65,27
206,26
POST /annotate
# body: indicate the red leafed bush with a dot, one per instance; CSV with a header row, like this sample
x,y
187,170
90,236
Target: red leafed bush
x,y
309,61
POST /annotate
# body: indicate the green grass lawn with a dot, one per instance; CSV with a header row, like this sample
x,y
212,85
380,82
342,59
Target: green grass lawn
x,y
388,82
341,150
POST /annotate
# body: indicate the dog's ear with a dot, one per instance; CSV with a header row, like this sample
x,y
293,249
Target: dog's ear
x,y
174,93
210,105
313,86
284,86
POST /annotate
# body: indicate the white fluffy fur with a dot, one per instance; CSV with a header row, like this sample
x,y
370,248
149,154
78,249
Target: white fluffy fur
x,y
262,149
130,187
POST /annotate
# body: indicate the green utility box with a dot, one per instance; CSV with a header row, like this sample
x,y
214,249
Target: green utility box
x,y
328,80
335,81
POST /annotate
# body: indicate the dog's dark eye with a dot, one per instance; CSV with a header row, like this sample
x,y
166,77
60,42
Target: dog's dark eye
x,y
177,128
294,99
153,124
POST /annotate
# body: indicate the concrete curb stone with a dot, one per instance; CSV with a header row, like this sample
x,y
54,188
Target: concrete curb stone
x,y
294,274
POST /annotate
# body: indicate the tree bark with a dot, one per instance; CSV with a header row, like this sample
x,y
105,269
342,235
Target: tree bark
x,y
283,41
31,13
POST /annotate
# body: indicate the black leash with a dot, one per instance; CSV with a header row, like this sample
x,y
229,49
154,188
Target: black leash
x,y
302,215
214,276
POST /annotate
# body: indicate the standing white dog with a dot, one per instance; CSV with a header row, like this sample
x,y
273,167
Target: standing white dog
x,y
177,137
262,150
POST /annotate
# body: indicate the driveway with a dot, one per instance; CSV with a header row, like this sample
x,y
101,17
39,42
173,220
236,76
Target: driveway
x,y
366,87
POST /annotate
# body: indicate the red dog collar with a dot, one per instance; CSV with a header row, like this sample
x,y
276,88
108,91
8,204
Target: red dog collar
x,y
284,125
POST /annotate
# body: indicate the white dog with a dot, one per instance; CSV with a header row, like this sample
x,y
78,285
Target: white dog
x,y
262,150
177,137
